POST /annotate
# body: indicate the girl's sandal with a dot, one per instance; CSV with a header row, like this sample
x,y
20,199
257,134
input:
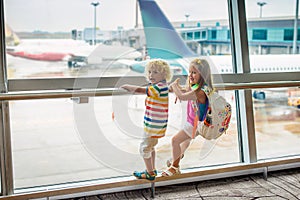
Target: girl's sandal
x,y
145,175
171,171
169,162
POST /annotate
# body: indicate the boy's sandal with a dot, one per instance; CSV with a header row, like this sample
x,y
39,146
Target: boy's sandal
x,y
169,162
145,175
171,173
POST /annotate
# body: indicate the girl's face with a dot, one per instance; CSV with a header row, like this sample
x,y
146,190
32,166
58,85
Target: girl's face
x,y
194,75
155,76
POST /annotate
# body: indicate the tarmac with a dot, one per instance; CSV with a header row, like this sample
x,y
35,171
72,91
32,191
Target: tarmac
x,y
279,185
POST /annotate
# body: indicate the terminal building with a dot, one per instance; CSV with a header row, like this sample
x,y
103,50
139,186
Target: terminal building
x,y
212,37
272,35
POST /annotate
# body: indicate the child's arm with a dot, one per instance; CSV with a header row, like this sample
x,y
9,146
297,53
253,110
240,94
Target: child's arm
x,y
187,95
134,88
176,82
183,96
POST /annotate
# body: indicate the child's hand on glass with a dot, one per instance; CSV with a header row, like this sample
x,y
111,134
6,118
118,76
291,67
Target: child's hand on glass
x,y
126,87
175,83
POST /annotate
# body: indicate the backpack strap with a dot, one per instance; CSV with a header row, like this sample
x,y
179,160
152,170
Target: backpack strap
x,y
207,91
196,119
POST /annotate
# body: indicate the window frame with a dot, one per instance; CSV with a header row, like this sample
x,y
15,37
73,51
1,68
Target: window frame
x,y
242,78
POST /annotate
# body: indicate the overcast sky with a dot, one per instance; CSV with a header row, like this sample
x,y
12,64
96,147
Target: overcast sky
x,y
65,15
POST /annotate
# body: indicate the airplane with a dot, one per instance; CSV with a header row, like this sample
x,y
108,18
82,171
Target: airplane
x,y
163,41
76,53
33,49
44,56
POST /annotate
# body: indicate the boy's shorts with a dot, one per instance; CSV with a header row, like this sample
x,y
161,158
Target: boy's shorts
x,y
147,146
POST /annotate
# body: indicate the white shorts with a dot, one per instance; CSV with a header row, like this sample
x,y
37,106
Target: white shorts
x,y
188,129
147,146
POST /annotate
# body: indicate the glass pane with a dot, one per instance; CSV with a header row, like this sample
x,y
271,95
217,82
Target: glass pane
x,y
272,45
277,122
61,141
67,39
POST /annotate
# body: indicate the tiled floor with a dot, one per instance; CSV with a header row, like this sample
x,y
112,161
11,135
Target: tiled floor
x,y
279,185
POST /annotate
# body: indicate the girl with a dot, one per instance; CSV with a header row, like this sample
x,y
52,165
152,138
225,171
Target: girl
x,y
199,80
157,73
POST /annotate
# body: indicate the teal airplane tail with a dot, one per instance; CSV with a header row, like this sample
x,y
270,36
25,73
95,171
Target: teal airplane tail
x,y
161,37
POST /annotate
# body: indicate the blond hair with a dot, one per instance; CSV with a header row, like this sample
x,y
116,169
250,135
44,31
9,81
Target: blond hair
x,y
162,67
204,69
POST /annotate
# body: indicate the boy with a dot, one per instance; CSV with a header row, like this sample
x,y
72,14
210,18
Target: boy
x,y
157,73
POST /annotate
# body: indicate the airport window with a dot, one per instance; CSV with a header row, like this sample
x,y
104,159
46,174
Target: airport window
x,y
54,151
22,65
197,35
283,119
259,34
189,35
271,43
65,100
214,34
289,35
183,34
203,34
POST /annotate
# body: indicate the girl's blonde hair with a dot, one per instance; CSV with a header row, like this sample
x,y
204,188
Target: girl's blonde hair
x,y
204,69
162,67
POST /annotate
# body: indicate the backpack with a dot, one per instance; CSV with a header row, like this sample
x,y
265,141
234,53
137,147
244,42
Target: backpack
x,y
217,117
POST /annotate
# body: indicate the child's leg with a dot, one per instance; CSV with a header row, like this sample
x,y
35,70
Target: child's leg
x,y
150,163
180,143
153,155
184,145
148,152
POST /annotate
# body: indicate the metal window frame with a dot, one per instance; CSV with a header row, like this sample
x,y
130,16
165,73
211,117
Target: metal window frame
x,y
69,87
5,136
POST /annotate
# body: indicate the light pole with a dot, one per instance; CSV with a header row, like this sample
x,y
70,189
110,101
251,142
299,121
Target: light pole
x,y
187,16
95,4
136,14
261,4
296,28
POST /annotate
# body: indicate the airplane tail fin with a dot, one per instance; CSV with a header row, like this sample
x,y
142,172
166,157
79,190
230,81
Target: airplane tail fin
x,y
161,38
11,37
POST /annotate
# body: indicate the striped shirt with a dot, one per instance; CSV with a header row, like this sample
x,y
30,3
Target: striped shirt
x,y
156,114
